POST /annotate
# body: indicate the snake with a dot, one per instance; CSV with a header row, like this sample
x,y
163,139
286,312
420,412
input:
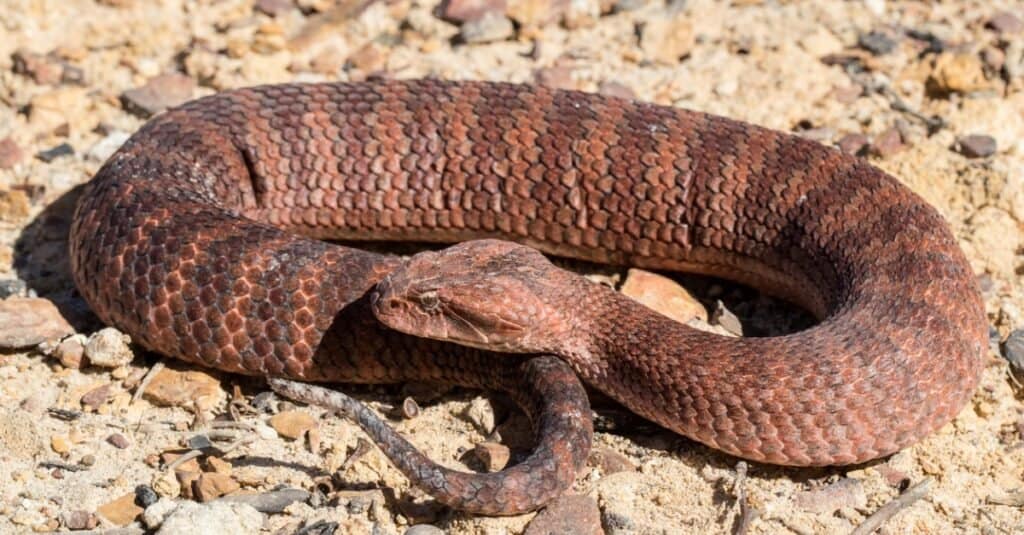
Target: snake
x,y
216,234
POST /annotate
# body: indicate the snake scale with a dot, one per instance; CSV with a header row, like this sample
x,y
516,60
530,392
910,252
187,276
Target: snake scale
x,y
201,237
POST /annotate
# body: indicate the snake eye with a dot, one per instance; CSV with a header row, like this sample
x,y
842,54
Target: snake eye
x,y
429,301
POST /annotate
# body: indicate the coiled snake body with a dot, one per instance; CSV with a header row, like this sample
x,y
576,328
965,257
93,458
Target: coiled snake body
x,y
199,238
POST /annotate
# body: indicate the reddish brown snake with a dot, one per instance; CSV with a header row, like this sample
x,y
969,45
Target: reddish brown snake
x,y
199,238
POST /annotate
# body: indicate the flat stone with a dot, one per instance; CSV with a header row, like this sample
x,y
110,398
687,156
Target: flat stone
x,y
459,11
10,153
846,492
609,461
292,424
1005,22
423,529
573,513
38,67
14,205
59,151
887,143
724,317
121,511
106,146
213,485
222,518
77,520
557,77
612,88
490,27
26,322
96,397
158,94
183,389
878,43
855,144
663,295
976,146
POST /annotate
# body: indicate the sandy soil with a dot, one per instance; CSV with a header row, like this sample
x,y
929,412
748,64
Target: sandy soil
x,y
789,65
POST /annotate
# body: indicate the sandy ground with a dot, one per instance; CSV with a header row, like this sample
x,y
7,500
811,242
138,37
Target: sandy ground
x,y
789,65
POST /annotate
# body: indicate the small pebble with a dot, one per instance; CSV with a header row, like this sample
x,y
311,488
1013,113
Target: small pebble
x,y
1005,22
853,144
87,460
976,146
292,424
887,143
51,154
10,153
725,318
481,414
212,485
60,444
570,513
555,77
158,94
491,27
1013,350
118,441
847,492
70,351
423,529
145,496
198,442
274,7
459,11
96,397
108,348
409,409
609,461
106,146
612,88
494,456
877,43
76,520
122,511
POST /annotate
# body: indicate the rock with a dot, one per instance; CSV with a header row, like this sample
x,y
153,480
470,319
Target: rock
x,y
370,57
1005,22
663,295
976,146
145,496
609,461
489,28
10,153
558,77
274,7
724,317
118,441
1012,350
887,143
76,520
494,456
821,43
218,465
155,513
960,73
26,322
423,529
106,146
612,88
878,43
60,444
108,348
36,66
582,13
328,61
166,485
292,424
212,485
221,518
536,13
460,11
158,94
480,414
853,144
59,151
14,205
70,351
571,513
96,397
272,502
667,38
183,389
121,511
846,492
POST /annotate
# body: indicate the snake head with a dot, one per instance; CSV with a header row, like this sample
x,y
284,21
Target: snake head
x,y
489,294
